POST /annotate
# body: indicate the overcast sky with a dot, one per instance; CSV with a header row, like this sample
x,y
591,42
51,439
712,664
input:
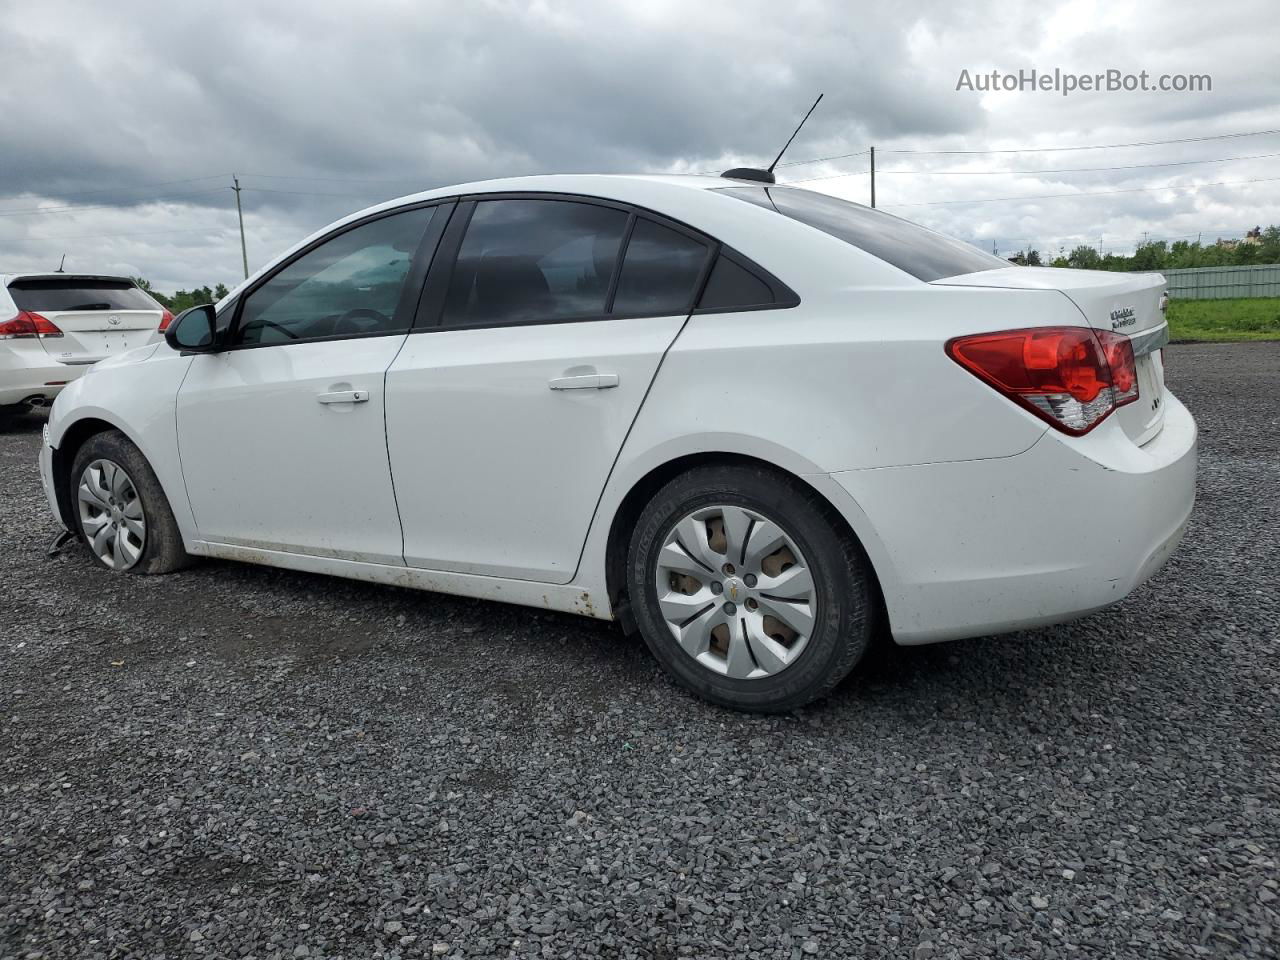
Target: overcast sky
x,y
121,123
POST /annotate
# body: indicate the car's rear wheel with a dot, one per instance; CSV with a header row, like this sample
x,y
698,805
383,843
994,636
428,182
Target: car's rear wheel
x,y
120,510
746,589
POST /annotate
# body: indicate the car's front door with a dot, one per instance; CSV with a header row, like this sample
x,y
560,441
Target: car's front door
x,y
505,416
282,433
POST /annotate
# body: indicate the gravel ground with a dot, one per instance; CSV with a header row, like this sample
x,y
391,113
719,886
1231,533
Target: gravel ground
x,y
236,761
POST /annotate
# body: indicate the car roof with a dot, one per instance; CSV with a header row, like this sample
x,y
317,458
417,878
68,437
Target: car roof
x,y
607,186
743,226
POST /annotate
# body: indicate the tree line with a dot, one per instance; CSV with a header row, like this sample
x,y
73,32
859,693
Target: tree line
x,y
184,299
1258,246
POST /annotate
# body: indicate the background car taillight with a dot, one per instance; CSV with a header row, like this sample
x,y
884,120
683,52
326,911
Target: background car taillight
x,y
27,324
166,318
1073,377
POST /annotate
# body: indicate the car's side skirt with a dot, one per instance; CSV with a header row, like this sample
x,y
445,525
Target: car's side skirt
x,y
567,598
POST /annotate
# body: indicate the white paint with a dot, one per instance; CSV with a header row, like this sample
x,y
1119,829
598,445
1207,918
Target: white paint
x,y
977,517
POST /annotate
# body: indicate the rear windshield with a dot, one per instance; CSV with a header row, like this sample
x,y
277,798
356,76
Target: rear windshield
x,y
78,293
922,253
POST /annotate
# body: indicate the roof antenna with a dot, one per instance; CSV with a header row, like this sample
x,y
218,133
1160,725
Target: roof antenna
x,y
60,265
766,176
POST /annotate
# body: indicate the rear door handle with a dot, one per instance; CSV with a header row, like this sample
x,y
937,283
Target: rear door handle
x,y
343,396
590,381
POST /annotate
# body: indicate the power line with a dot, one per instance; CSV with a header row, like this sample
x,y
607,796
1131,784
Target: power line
x,y
1096,146
33,211
136,186
1093,193
1129,166
114,236
36,211
288,176
305,193
839,156
977,173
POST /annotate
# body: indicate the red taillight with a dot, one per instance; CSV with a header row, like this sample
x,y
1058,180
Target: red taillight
x,y
166,318
1070,376
1124,369
27,324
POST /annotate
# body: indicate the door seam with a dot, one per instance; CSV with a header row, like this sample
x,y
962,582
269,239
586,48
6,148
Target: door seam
x,y
577,567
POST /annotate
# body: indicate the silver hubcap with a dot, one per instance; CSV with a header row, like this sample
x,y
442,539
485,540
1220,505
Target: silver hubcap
x,y
736,592
111,514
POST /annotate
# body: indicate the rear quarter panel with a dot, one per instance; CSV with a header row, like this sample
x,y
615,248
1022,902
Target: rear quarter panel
x,y
853,379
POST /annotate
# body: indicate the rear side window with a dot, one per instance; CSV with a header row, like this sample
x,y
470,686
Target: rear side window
x,y
529,260
660,271
922,253
79,293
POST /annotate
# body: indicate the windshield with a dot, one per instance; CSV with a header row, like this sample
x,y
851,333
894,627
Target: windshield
x,y
920,252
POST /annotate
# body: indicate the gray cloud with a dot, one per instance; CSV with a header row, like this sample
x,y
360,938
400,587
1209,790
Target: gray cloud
x,y
323,108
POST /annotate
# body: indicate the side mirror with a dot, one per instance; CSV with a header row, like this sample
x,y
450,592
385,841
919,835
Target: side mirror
x,y
193,330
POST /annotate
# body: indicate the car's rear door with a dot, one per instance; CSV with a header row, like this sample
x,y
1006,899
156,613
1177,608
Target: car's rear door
x,y
508,404
98,316
281,433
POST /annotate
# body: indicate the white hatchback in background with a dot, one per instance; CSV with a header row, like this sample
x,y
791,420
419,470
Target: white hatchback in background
x,y
749,420
54,325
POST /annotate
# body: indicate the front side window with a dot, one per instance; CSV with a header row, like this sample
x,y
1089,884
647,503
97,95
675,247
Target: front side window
x,y
909,247
348,286
660,271
530,260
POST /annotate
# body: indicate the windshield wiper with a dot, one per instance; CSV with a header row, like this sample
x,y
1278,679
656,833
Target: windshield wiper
x,y
90,306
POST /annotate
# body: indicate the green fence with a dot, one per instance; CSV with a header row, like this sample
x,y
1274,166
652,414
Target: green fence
x,y
1218,283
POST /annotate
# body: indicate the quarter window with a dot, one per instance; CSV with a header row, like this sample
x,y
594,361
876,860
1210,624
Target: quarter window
x,y
348,286
529,260
732,286
660,271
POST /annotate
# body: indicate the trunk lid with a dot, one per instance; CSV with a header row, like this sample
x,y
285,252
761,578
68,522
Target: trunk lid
x,y
98,316
1126,303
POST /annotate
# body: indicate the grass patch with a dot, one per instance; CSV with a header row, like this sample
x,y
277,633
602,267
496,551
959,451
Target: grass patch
x,y
1245,318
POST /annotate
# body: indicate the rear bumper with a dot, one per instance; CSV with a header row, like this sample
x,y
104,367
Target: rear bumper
x,y
1068,527
25,374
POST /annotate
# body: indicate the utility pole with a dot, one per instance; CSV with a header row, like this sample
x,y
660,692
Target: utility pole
x,y
873,177
244,254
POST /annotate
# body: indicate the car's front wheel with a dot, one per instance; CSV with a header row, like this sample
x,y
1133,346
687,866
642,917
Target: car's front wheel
x,y
746,590
120,509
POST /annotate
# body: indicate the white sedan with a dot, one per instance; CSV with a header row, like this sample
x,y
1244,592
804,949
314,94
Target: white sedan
x,y
751,421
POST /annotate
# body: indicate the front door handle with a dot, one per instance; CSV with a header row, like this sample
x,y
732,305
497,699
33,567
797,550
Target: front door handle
x,y
343,396
590,381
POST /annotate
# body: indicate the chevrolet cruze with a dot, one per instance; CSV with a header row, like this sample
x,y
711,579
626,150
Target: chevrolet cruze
x,y
750,421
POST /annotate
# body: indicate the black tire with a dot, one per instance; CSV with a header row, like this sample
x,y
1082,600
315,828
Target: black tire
x,y
843,607
162,550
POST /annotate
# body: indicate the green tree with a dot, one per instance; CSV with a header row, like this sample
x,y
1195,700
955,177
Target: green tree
x,y
184,299
1084,258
